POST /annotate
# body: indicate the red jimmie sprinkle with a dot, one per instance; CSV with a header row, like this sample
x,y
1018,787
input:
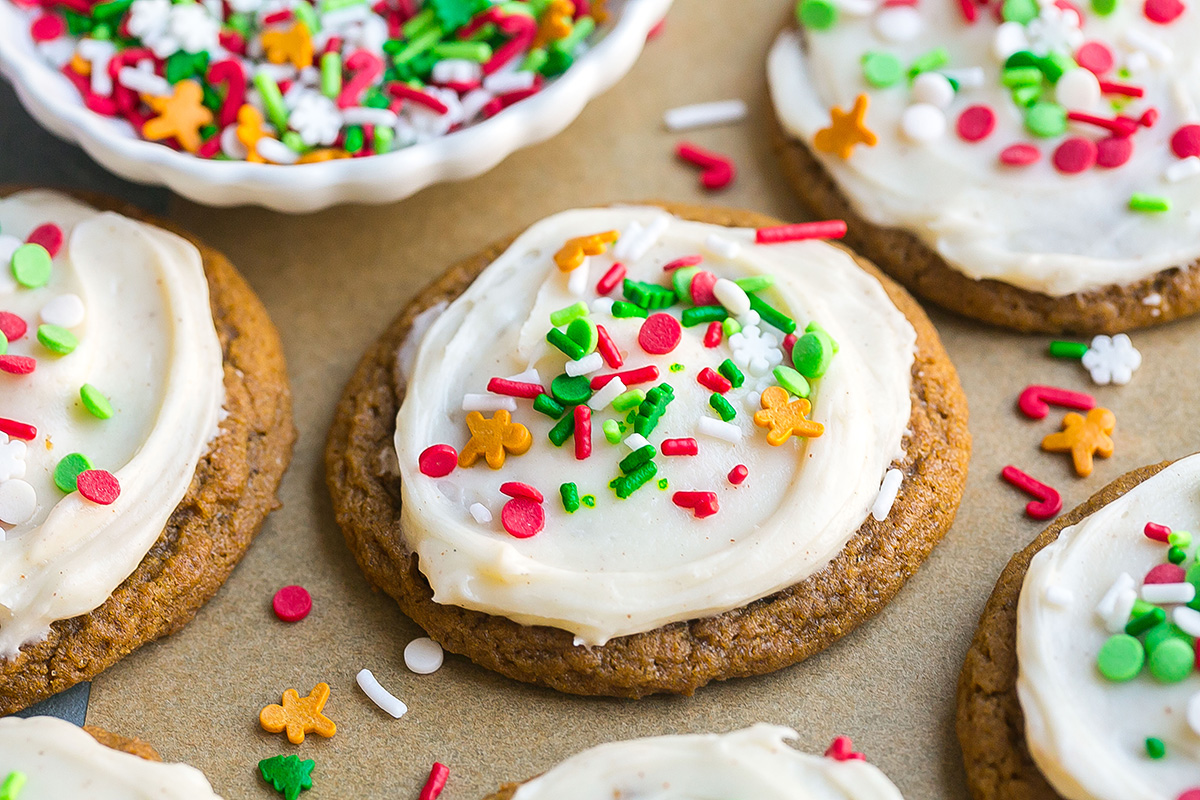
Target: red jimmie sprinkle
x,y
49,236
1159,533
702,288
842,749
717,171
712,380
1075,155
970,11
789,342
976,123
437,461
1163,12
629,377
678,447
1121,126
801,231
1020,155
1109,87
17,365
518,489
702,504
660,334
230,73
714,334
12,326
18,430
614,276
522,517
1185,142
47,27
1095,58
514,388
1046,503
292,603
1114,151
608,348
583,432
1034,401
99,486
738,474
1166,573
679,263
435,784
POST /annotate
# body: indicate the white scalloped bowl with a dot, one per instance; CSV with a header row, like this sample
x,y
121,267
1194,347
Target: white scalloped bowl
x,y
54,102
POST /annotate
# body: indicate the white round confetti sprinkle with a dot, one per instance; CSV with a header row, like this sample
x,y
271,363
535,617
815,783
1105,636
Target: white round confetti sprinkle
x,y
66,310
423,656
1078,90
1187,619
933,88
732,296
379,695
1183,169
922,122
887,494
1008,39
899,23
18,501
1193,713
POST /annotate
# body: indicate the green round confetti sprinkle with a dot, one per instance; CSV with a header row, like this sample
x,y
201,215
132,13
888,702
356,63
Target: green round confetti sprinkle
x,y
583,332
1022,58
571,391
67,472
1155,747
31,266
812,353
95,402
682,281
57,339
1162,633
791,380
1172,660
882,70
1180,538
820,15
1046,119
3,344
1121,658
1104,7
1022,11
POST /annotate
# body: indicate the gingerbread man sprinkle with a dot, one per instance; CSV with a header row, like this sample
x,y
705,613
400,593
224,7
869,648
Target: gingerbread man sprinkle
x,y
556,22
292,45
846,130
572,253
181,116
1084,437
299,715
785,419
493,438
251,128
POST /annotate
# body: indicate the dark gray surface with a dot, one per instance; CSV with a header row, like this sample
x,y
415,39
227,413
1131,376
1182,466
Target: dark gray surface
x,y
70,705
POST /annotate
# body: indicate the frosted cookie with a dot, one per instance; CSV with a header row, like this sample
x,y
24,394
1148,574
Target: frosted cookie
x,y
758,762
145,423
716,513
1033,165
44,758
1082,681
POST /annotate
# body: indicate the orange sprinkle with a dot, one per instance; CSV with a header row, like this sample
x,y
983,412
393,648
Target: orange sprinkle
x,y
181,116
846,130
572,253
80,65
250,129
325,154
1084,437
556,23
493,438
294,45
785,419
299,715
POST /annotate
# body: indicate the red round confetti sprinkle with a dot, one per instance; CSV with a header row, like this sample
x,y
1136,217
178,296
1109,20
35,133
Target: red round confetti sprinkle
x,y
738,474
49,236
660,334
517,489
702,288
292,603
17,365
438,461
47,27
522,517
1192,794
12,326
1020,155
1114,151
1095,57
1165,573
976,123
99,486
1163,11
1075,155
1185,142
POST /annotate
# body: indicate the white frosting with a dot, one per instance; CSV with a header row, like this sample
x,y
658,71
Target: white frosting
x,y
60,760
633,565
757,762
148,343
1088,734
1031,227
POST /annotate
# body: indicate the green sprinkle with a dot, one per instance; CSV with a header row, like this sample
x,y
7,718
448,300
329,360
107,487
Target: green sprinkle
x,y
354,141
571,391
1172,660
547,405
1176,555
295,143
819,15
114,8
1155,748
628,484
755,283
1121,658
1046,120
68,469
12,785
730,327
1144,622
308,15
731,373
813,327
628,399
3,344
57,339
1180,539
95,402
881,70
1022,11
791,380
651,410
721,406
415,26
647,295
383,139
583,29
1026,96
562,430
927,62
571,348
569,493
1148,203
612,431
623,309
31,266
272,100
771,315
287,774
637,458
534,61
565,316
469,51
702,315
582,331
1072,350
663,483
1021,76
418,45
331,74
1054,65
589,500
1104,7
676,368
682,281
812,353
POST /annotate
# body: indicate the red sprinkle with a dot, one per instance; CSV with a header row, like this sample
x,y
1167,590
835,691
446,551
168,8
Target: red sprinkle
x,y
437,461
1020,155
714,334
1185,142
608,348
17,365
842,749
969,10
1159,533
292,603
679,447
1114,151
789,342
702,288
660,334
679,263
717,170
1048,502
801,231
976,123
1165,573
435,784
1108,87
702,504
522,517
99,486
1095,57
1075,155
18,430
47,27
614,276
738,474
1193,794
1034,401
657,30
230,73
1121,126
516,489
628,377
515,388
583,432
49,236
1163,12
714,381
12,326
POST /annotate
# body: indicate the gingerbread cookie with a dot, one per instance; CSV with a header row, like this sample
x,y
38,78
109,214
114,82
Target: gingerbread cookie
x,y
145,424
1031,164
683,457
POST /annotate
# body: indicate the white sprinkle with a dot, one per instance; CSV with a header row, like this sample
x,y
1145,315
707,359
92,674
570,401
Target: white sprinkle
x,y
754,401
1008,39
18,501
1168,593
1059,596
719,429
732,296
899,23
379,695
703,115
528,376
1108,603
1078,89
637,239
887,495
627,239
474,101
1116,621
423,656
967,77
58,52
1152,299
488,402
722,246
1151,46
276,151
577,279
277,72
98,53
635,441
231,145
933,88
1188,620
348,15
1137,62
65,310
363,115
458,70
922,122
481,513
857,8
603,305
505,82
1193,713
1183,169
606,394
144,82
584,366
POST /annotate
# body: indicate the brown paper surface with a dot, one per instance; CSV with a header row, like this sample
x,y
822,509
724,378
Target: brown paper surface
x,y
333,281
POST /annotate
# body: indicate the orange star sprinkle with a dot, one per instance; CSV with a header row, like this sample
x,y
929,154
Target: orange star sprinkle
x,y
572,253
1084,437
294,45
492,438
846,130
299,715
250,129
556,22
785,419
181,115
